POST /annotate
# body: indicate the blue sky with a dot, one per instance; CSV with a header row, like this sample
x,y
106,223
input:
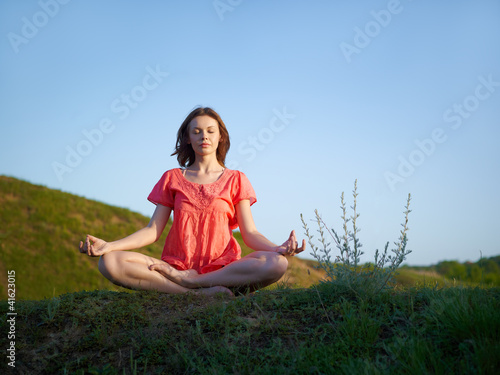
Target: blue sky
x,y
403,96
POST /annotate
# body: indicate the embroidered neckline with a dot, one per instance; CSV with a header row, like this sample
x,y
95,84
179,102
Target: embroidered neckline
x,y
198,184
201,195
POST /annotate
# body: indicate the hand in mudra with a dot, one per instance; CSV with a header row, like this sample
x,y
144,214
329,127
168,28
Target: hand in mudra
x,y
97,248
290,246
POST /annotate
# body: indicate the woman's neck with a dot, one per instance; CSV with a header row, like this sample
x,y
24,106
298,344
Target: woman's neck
x,y
206,166
203,173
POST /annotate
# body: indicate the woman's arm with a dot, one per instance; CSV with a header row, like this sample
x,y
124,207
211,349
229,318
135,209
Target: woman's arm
x,y
255,240
141,238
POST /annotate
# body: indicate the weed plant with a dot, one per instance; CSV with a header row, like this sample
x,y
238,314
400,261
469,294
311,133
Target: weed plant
x,y
345,271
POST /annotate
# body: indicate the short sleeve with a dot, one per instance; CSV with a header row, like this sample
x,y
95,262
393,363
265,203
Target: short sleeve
x,y
242,189
162,192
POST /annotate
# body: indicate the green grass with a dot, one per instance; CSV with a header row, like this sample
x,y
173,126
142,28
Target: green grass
x,y
283,331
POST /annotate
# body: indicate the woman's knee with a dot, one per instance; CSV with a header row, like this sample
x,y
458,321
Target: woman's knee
x,y
108,265
283,264
277,265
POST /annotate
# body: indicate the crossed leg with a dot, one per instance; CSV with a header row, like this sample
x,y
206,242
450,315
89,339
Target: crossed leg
x,y
131,270
137,271
254,271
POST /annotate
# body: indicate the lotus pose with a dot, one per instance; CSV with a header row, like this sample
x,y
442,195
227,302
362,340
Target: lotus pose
x,y
209,201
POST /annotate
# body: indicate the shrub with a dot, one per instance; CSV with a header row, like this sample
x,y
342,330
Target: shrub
x,y
346,271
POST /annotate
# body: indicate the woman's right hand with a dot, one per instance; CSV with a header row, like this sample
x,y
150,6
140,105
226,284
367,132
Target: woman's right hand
x,y
291,247
97,248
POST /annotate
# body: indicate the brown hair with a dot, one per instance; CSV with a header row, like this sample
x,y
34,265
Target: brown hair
x,y
184,151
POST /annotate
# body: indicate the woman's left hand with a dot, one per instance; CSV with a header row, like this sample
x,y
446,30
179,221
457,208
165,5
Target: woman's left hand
x,y
290,246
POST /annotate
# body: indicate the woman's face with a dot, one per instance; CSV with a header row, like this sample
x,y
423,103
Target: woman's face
x,y
204,135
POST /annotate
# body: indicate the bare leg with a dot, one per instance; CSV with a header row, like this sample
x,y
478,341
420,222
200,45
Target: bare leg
x,y
131,270
256,270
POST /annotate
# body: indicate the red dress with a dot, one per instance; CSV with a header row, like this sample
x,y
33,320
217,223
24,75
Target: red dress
x,y
201,236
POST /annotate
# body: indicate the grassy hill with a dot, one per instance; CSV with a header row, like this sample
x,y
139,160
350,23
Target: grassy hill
x,y
318,330
40,231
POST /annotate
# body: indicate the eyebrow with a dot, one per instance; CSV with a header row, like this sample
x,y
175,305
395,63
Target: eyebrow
x,y
209,127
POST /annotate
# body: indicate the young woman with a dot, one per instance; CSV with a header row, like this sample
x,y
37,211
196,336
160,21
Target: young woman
x,y
208,201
